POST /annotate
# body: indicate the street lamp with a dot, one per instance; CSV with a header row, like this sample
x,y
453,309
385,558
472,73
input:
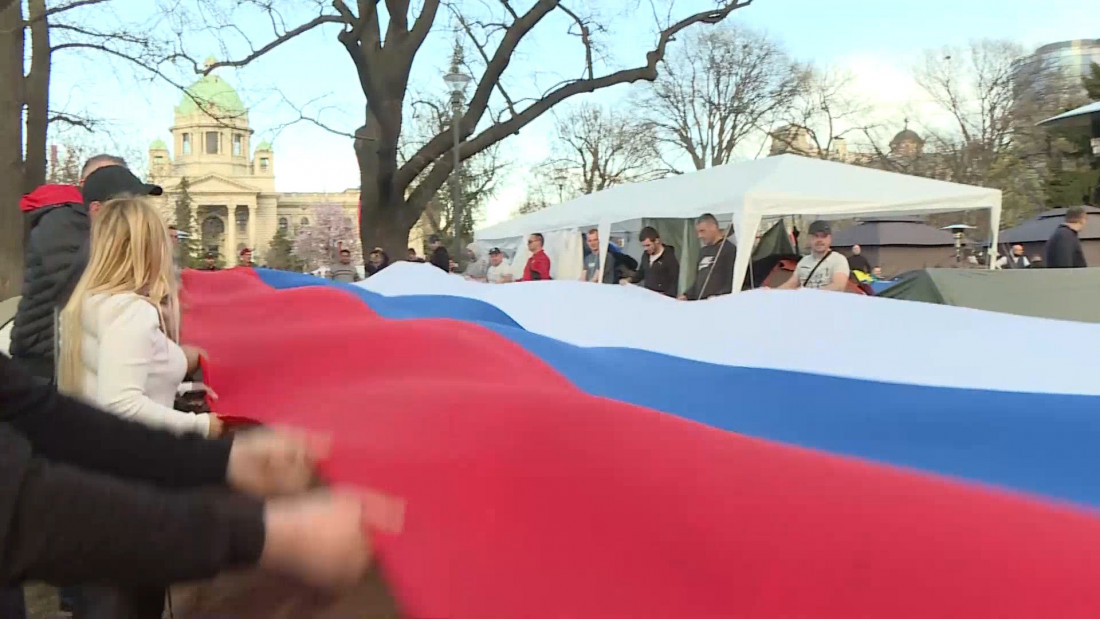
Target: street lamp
x,y
958,230
457,81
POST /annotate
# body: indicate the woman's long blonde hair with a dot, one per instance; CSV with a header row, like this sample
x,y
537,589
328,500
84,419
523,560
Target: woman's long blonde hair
x,y
131,251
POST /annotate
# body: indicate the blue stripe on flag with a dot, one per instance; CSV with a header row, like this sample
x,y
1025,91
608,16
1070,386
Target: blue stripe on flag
x,y
1037,443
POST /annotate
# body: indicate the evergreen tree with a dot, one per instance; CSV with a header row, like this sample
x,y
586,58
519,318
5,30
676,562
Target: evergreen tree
x,y
1092,82
185,223
280,253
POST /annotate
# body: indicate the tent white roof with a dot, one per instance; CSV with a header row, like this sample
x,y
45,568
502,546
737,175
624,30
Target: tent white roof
x,y
774,186
750,191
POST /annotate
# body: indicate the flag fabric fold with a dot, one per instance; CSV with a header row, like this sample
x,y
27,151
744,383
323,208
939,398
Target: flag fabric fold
x,y
617,462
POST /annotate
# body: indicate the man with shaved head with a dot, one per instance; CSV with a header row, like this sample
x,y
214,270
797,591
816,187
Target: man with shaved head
x,y
59,228
57,252
96,162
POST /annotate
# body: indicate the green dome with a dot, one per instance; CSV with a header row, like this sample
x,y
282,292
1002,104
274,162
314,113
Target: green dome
x,y
265,145
212,92
158,144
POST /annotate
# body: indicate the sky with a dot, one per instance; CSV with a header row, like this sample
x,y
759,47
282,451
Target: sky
x,y
878,41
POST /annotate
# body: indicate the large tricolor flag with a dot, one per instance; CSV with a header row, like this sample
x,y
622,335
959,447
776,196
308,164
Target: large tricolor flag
x,y
584,451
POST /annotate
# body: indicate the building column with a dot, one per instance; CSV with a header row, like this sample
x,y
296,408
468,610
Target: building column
x,y
252,210
231,238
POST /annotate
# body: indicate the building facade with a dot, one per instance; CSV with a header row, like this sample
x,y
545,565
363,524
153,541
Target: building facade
x,y
905,147
230,180
1059,66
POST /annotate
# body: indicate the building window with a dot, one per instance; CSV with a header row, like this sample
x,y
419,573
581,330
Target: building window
x,y
212,231
238,145
159,159
187,143
211,142
263,164
242,219
284,225
305,221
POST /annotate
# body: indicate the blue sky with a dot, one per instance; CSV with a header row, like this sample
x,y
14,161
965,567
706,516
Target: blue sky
x,y
877,40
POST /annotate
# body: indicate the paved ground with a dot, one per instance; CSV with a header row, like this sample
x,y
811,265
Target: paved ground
x,y
250,595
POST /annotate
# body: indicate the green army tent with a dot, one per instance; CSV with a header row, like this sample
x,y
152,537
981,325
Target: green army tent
x,y
1065,294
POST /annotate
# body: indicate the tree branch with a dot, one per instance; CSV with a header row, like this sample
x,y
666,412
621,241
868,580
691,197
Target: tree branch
x,y
66,7
480,100
442,166
72,120
423,24
273,44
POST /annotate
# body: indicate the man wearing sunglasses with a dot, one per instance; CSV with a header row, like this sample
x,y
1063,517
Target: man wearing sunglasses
x,y
538,265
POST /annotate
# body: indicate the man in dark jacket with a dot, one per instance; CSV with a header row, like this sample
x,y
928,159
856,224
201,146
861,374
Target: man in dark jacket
x,y
439,258
857,261
617,264
210,262
57,252
660,270
86,496
714,273
1063,248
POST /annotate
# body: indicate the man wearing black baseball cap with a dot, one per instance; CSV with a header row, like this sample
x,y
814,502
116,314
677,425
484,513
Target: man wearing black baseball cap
x,y
210,262
113,182
823,269
57,252
500,272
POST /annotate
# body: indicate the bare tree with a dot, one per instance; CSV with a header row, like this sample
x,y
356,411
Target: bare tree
x,y
824,113
25,111
993,103
722,86
330,229
597,148
395,194
477,180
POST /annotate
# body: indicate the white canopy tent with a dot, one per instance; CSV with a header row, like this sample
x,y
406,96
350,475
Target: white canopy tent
x,y
752,191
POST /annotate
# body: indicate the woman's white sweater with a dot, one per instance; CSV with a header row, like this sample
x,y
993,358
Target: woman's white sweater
x,y
131,367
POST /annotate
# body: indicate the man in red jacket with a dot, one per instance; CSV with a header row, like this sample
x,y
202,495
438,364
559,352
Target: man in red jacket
x,y
538,265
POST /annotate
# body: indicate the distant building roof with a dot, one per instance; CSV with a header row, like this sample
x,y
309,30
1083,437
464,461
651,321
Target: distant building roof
x,y
1039,228
158,144
896,231
265,145
211,94
906,135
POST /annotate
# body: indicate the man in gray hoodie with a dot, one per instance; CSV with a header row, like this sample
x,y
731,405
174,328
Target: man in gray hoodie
x,y
478,267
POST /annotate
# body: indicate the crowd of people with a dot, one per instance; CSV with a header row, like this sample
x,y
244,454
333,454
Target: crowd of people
x,y
107,488
657,270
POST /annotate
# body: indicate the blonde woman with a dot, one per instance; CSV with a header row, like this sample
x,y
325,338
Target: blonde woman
x,y
120,330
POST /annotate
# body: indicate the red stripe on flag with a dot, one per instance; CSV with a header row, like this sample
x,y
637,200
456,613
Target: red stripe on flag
x,y
527,498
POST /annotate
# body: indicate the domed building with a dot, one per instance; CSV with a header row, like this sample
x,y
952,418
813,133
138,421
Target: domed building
x,y
907,143
230,180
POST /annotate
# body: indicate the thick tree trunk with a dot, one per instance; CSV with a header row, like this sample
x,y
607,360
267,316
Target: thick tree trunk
x,y
37,96
384,225
385,216
11,149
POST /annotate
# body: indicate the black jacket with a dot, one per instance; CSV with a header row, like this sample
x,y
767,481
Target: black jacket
x,y
1063,250
72,509
441,258
662,276
859,263
718,265
57,252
